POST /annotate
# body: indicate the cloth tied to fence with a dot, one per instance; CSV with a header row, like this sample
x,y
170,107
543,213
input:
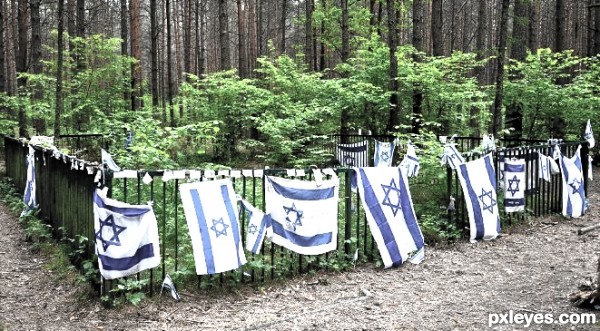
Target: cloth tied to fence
x,y
514,185
573,192
353,155
29,196
384,152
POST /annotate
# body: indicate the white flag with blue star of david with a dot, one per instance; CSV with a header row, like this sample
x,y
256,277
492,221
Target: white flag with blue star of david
x,y
304,215
514,185
573,192
588,135
258,227
411,161
29,196
478,181
385,196
384,151
353,155
452,156
126,237
212,217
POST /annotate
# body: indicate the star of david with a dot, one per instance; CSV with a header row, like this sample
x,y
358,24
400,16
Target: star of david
x,y
299,214
513,189
575,185
387,189
109,222
385,156
219,227
349,160
252,229
492,201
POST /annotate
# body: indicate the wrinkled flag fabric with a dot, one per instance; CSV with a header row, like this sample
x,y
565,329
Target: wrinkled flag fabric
x,y
353,155
589,135
573,192
108,161
411,161
451,156
546,167
126,237
514,185
386,199
384,152
212,217
170,286
29,196
478,182
303,215
258,227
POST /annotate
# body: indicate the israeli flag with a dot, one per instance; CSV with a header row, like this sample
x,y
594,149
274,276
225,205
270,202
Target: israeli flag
x,y
546,167
589,135
108,161
353,155
386,198
29,196
488,143
452,156
478,182
212,218
384,152
514,185
573,192
411,162
258,227
126,237
303,215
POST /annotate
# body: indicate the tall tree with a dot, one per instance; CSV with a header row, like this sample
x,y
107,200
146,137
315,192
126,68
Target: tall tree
x,y
501,54
560,21
22,59
418,39
225,62
124,18
392,22
309,51
200,46
36,58
136,52
2,50
169,51
283,27
594,27
345,115
437,27
241,22
187,38
154,53
59,69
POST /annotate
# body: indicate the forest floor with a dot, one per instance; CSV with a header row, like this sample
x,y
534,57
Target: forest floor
x,y
529,270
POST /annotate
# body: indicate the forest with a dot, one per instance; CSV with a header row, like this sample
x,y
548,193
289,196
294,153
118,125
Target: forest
x,y
258,81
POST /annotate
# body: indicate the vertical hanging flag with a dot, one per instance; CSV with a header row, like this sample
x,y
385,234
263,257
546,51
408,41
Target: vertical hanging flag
x,y
303,215
258,227
478,182
108,161
386,198
514,185
590,170
573,192
589,134
546,167
353,155
29,196
452,156
384,152
126,237
411,161
170,286
212,218
488,144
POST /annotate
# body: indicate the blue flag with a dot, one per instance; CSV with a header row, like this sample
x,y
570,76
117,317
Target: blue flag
x,y
29,196
258,227
353,155
411,162
514,185
573,192
212,218
126,237
303,215
386,198
478,181
384,152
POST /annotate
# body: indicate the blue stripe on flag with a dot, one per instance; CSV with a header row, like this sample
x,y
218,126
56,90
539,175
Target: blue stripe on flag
x,y
380,219
232,220
129,212
509,167
261,233
302,194
566,175
478,217
409,217
206,243
296,239
144,252
353,149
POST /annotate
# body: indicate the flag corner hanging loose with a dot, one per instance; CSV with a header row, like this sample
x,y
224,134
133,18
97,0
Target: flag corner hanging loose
x,y
573,190
589,134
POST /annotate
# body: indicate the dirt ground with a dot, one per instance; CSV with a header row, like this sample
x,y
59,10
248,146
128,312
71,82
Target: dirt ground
x,y
528,270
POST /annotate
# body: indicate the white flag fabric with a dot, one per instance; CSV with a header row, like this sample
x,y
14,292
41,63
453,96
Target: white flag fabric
x,y
258,227
514,185
590,170
303,215
589,134
411,161
385,196
212,218
170,286
546,167
126,237
29,196
573,192
108,161
384,151
353,155
488,143
556,153
452,156
478,182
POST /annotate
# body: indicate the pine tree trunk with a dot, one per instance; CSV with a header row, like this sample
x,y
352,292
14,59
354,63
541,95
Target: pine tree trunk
x,y
503,36
394,116
136,52
225,63
437,27
2,50
154,53
242,63
169,64
36,59
59,70
22,60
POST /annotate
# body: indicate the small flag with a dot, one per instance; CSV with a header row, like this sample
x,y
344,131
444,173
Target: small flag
x,y
353,155
589,135
514,185
488,144
452,156
478,181
411,161
386,198
108,161
212,218
384,151
573,191
126,237
29,196
170,286
546,167
258,227
304,216
590,170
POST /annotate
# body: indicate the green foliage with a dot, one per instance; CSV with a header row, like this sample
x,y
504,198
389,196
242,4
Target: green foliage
x,y
125,291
